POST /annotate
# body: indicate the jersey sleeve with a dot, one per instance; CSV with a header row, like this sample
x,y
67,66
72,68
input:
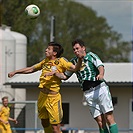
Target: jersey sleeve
x,y
65,63
39,65
68,73
96,60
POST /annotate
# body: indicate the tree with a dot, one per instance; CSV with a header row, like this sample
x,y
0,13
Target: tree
x,y
73,20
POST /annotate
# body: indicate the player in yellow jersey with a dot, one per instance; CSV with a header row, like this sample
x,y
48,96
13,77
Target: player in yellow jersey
x,y
4,117
49,100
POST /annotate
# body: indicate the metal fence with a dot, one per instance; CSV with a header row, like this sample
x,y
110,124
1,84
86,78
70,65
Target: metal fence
x,y
67,130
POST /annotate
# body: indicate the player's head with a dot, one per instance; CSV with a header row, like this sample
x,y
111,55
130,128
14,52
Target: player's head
x,y
5,101
78,47
78,41
54,49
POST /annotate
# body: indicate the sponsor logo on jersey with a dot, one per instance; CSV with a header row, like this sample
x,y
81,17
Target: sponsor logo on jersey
x,y
53,68
82,66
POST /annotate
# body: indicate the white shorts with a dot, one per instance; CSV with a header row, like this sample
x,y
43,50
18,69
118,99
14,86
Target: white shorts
x,y
99,100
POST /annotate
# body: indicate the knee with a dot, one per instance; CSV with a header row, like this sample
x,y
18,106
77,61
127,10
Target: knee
x,y
99,122
56,128
110,118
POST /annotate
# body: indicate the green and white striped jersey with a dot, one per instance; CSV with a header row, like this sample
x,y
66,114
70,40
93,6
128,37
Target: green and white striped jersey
x,y
89,69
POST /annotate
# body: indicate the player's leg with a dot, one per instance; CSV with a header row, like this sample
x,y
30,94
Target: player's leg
x,y
94,100
55,112
56,128
111,122
43,113
95,110
106,105
102,124
46,125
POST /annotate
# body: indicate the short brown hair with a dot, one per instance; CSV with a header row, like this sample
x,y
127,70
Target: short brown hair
x,y
5,97
57,48
79,41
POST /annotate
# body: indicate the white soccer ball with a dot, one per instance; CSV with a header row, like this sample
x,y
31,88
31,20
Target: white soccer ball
x,y
32,11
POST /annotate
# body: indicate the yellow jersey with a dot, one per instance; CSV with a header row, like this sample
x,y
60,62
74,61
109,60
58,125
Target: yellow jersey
x,y
46,65
4,115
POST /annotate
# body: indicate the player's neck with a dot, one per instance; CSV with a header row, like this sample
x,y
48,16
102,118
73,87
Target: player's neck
x,y
5,106
52,58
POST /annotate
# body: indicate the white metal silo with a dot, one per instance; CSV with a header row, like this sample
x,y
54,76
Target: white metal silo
x,y
7,53
7,61
13,52
21,61
21,50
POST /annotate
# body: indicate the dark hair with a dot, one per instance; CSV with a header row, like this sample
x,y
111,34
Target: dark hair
x,y
3,98
57,48
79,41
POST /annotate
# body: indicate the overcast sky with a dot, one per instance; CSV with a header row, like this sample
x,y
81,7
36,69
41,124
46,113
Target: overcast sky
x,y
117,12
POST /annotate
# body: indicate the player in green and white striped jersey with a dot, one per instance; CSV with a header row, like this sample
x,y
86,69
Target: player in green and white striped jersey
x,y
95,90
88,69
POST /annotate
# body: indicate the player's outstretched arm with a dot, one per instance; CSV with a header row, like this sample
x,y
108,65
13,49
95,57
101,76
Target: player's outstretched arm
x,y
14,120
79,63
61,76
22,71
100,76
77,66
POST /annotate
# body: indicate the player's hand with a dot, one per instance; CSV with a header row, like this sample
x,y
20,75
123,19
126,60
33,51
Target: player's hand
x,y
49,73
99,77
6,122
15,121
11,74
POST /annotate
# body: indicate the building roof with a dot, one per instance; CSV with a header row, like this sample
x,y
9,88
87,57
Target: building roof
x,y
114,73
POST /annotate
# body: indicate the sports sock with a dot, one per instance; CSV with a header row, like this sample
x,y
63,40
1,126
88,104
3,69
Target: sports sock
x,y
106,129
48,129
113,128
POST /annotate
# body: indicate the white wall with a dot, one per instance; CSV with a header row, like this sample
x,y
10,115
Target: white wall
x,y
121,111
80,116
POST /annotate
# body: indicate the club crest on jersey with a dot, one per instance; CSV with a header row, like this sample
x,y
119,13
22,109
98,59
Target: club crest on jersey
x,y
56,62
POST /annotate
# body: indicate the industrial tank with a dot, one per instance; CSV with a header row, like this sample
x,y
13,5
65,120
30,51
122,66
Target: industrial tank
x,y
21,56
20,59
7,54
7,61
21,50
12,56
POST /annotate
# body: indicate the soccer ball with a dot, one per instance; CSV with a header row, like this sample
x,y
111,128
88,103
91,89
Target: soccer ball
x,y
32,11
